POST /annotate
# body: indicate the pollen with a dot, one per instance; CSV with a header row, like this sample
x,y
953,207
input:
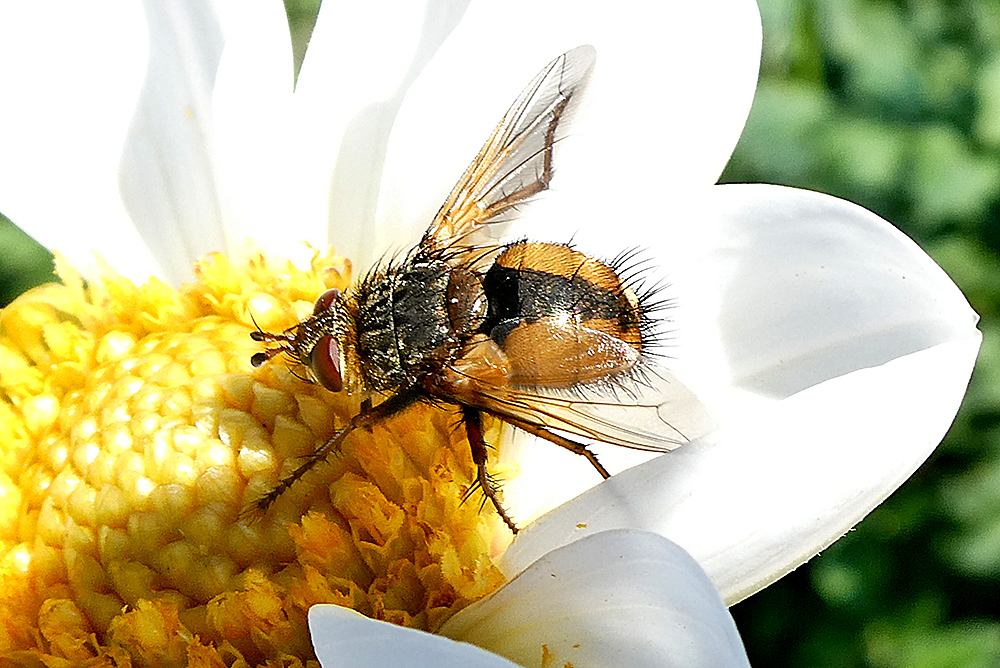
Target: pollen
x,y
134,438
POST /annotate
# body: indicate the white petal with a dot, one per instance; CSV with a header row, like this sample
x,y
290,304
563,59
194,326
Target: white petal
x,y
343,638
251,139
360,62
796,295
668,99
760,497
168,177
776,289
787,288
619,598
70,74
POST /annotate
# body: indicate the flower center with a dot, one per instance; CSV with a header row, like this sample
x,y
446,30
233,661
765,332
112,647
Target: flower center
x,y
135,436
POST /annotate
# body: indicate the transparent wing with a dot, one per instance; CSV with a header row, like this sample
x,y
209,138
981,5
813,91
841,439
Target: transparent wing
x,y
657,414
515,163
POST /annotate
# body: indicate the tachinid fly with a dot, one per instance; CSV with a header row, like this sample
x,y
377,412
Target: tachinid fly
x,y
526,331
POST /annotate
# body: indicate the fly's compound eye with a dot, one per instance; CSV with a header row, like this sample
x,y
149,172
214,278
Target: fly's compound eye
x,y
326,300
324,360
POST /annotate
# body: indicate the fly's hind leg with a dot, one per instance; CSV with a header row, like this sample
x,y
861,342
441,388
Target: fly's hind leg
x,y
551,437
473,420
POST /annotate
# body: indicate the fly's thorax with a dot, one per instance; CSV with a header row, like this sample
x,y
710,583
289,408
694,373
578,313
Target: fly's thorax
x,y
467,303
401,322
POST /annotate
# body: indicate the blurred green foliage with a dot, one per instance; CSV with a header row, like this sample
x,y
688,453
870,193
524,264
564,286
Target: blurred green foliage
x,y
895,104
301,20
24,263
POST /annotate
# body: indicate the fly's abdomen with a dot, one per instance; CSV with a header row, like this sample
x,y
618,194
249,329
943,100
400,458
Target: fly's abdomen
x,y
562,318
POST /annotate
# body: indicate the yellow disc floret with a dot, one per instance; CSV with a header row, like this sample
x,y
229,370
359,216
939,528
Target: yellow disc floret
x,y
134,436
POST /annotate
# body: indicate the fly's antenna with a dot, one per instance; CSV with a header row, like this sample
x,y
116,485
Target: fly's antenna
x,y
254,321
285,341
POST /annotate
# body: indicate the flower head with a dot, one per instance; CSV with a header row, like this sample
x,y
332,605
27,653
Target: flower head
x,y
136,439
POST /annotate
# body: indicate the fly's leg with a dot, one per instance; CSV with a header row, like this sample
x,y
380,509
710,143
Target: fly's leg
x,y
473,420
365,419
572,446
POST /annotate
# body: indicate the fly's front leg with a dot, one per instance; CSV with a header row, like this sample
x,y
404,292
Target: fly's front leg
x,y
365,419
473,420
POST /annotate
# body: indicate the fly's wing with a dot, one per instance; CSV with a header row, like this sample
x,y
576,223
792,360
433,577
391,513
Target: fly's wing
x,y
515,163
656,414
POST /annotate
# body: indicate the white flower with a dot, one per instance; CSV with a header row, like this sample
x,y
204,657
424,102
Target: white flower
x,y
832,352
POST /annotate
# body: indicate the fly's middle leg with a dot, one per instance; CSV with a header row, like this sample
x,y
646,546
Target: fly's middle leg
x,y
473,420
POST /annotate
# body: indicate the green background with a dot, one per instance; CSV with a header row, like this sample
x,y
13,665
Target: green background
x,y
894,105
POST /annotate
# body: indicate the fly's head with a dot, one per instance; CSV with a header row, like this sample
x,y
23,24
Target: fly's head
x,y
321,343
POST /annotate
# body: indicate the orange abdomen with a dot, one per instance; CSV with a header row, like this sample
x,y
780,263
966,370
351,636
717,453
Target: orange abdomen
x,y
561,317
